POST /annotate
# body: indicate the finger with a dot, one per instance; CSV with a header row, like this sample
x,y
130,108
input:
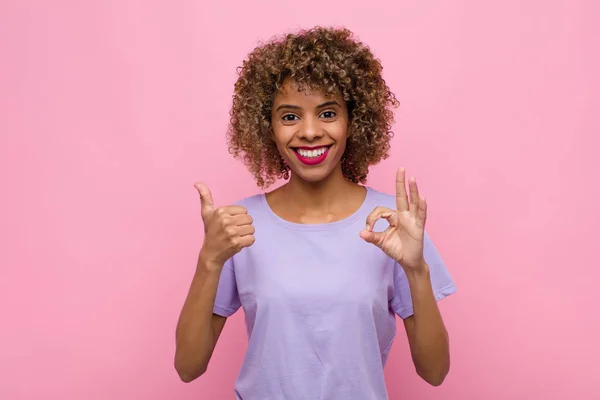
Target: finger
x,y
401,199
246,241
422,213
375,238
414,196
240,219
245,230
376,214
206,199
233,210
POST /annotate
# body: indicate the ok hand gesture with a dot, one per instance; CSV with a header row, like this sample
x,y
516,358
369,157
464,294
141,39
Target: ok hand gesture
x,y
403,239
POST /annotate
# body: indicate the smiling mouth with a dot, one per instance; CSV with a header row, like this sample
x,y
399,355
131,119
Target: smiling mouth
x,y
311,152
312,155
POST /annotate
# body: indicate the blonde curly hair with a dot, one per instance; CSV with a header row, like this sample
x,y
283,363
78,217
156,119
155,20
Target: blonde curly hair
x,y
325,59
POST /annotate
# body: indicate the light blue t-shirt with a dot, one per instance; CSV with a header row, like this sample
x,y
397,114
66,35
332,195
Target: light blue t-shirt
x,y
320,305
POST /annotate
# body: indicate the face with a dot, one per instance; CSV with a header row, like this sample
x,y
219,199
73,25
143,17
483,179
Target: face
x,y
310,130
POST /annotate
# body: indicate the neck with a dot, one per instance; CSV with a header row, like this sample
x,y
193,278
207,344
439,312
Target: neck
x,y
320,195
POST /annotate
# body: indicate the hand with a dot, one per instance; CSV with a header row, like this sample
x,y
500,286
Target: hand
x,y
227,230
403,239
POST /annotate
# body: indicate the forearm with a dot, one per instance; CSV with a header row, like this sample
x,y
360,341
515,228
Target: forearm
x,y
195,336
428,337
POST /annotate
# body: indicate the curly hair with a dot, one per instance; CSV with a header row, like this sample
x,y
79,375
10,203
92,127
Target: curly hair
x,y
325,59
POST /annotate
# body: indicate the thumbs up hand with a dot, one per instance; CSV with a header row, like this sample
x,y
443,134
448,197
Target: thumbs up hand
x,y
227,230
403,239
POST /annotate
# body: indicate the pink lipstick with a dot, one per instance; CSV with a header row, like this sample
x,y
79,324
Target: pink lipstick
x,y
311,155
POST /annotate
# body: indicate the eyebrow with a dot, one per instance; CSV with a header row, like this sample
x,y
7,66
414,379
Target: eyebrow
x,y
293,107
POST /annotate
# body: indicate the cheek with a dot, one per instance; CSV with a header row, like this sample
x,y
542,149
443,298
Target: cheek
x,y
342,147
281,138
341,129
342,142
341,136
277,134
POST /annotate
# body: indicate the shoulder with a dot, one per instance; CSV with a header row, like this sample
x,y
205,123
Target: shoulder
x,y
251,203
378,198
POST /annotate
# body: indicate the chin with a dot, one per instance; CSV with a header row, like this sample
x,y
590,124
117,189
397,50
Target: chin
x,y
313,178
312,175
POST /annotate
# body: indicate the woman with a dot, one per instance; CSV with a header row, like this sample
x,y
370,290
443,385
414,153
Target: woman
x,y
321,265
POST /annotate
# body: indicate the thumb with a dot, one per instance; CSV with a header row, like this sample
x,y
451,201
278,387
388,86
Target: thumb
x,y
375,238
206,199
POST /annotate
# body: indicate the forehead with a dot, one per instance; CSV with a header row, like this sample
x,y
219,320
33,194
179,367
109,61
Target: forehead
x,y
292,91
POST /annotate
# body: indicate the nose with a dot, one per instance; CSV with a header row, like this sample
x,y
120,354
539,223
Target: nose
x,y
310,129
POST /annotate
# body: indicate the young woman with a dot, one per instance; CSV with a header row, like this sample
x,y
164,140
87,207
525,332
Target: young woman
x,y
321,265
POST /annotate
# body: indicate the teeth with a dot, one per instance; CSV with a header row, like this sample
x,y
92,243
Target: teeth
x,y
312,153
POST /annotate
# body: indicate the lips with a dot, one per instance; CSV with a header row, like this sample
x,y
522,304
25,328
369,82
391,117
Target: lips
x,y
311,155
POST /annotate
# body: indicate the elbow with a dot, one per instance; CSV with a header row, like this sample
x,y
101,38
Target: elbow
x,y
434,377
187,378
187,374
190,376
435,380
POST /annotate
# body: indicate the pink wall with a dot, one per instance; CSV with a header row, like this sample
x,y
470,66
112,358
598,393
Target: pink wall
x,y
110,110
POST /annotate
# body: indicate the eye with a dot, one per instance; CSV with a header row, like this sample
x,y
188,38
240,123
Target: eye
x,y
328,114
289,118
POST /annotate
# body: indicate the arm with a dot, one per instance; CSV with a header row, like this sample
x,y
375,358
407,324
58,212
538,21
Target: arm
x,y
198,329
425,329
404,241
227,230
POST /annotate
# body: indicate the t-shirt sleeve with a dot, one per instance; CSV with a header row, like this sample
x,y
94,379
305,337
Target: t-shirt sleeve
x,y
227,301
441,281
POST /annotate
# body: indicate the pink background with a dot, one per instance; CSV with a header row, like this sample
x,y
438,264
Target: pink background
x,y
110,110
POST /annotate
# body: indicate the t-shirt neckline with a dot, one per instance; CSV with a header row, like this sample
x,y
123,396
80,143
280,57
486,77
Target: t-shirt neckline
x,y
319,227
